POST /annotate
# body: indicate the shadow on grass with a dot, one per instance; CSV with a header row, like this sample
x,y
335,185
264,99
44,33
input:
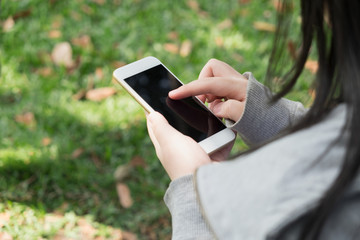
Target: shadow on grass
x,y
85,184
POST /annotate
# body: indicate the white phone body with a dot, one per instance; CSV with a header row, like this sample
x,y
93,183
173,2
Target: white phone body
x,y
211,143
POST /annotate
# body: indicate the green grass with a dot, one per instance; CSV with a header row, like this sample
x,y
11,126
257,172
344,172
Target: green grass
x,y
40,180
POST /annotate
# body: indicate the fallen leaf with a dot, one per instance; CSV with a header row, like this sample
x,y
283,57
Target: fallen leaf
x,y
87,231
8,24
79,95
193,4
99,94
238,57
4,218
116,2
219,41
22,14
173,35
54,34
83,41
99,73
244,1
87,9
264,26
99,2
96,160
5,236
312,66
117,64
44,71
282,6
57,23
123,192
62,55
46,141
227,23
137,161
122,172
128,236
171,48
185,48
292,49
26,118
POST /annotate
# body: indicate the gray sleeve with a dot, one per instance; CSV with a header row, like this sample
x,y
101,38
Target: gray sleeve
x,y
261,120
187,220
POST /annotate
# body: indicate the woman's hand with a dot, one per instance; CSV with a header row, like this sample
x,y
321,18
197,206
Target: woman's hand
x,y
219,85
180,155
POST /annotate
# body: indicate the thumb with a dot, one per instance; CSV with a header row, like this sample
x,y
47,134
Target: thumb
x,y
159,128
230,109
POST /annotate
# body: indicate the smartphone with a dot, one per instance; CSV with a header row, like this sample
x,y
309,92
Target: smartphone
x,y
149,82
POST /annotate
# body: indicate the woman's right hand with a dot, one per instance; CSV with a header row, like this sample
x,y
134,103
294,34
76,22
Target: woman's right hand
x,y
221,86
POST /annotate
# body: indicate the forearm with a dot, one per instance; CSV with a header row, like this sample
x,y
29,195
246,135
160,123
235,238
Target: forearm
x,y
187,220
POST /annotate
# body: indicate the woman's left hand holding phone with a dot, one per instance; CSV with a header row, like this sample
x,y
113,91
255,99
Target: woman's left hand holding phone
x,y
180,155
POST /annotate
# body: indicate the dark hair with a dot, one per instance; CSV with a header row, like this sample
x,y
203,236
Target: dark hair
x,y
334,26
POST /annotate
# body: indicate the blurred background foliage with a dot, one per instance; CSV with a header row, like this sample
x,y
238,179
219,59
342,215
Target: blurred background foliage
x,y
75,158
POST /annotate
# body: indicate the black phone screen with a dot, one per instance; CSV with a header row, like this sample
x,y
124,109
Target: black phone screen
x,y
188,115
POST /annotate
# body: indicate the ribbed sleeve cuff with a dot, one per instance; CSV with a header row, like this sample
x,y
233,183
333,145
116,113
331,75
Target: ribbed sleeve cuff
x,y
187,221
261,120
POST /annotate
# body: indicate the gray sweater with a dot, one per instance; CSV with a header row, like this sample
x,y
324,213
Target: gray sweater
x,y
256,195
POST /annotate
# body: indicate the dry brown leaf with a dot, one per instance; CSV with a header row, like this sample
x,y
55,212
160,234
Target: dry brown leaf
x,y
87,9
171,48
4,218
117,64
193,4
87,231
75,16
44,71
26,118
54,34
128,236
124,195
77,153
5,236
312,66
79,95
8,24
83,41
292,49
244,1
138,161
99,73
46,141
99,2
281,6
62,55
53,218
227,23
173,35
99,94
116,2
96,160
57,23
219,41
22,14
264,26
185,48
238,57
122,172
